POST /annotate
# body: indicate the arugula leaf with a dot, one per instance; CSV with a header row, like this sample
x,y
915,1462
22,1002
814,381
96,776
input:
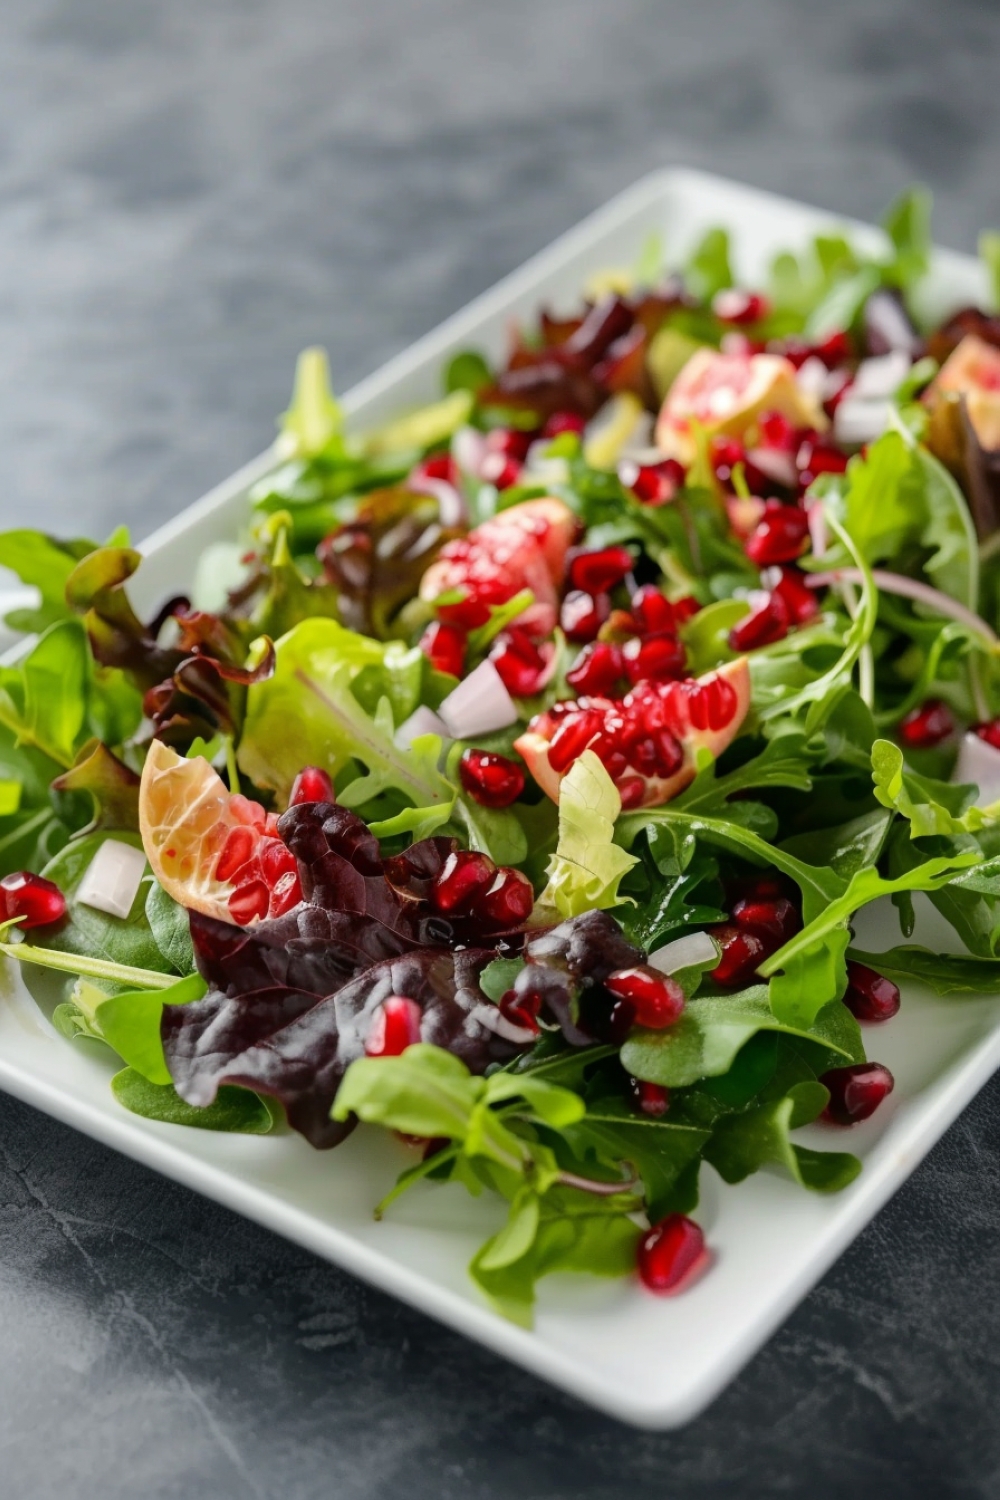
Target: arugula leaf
x,y
742,1144
705,1042
660,1150
847,847
929,806
587,867
235,1110
945,973
908,225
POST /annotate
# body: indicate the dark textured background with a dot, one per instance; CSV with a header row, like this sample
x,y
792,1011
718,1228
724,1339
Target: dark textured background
x,y
189,192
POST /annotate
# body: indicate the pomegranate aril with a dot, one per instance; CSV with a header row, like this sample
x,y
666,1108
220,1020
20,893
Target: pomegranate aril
x,y
776,431
656,999
520,1010
464,614
463,877
989,732
490,779
800,600
685,609
512,442
441,466
653,484
582,615
764,625
670,1253
238,848
37,901
927,725
738,307
562,421
631,790
870,996
774,920
249,903
650,1099
724,454
781,535
659,658
251,814
652,612
395,1025
835,349
500,470
742,953
444,647
285,893
572,738
816,457
509,899
597,572
856,1091
311,785
521,664
275,859
598,668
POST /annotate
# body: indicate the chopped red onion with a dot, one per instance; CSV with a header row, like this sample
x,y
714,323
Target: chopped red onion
x,y
478,705
882,376
684,952
451,504
468,449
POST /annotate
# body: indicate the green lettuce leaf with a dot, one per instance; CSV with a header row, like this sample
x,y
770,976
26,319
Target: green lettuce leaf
x,y
587,867
313,424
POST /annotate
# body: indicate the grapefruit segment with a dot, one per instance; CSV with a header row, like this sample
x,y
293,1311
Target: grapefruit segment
x,y
213,851
724,394
524,547
649,741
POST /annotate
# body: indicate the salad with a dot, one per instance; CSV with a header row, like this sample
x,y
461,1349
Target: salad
x,y
513,782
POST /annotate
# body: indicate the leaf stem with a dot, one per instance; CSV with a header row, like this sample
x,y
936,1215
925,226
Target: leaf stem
x,y
910,588
87,968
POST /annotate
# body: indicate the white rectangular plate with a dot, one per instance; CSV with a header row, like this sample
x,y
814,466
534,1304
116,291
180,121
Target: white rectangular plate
x,y
655,1363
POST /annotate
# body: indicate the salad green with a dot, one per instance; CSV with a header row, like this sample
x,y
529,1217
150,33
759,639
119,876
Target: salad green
x,y
515,779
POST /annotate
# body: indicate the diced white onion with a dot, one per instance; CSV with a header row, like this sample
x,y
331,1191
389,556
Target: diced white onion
x,y
684,952
468,449
538,465
451,504
811,377
856,421
112,878
421,721
776,464
478,705
979,762
880,377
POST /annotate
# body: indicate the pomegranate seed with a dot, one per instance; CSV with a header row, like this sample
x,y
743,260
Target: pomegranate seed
x,y
582,615
465,614
650,1099
780,536
670,1253
776,431
491,780
800,600
440,467
509,899
870,996
572,738
597,669
774,919
521,1010
653,484
521,664
856,1092
927,725
500,470
463,877
816,457
562,421
444,647
764,625
739,307
238,848
619,1023
39,902
658,658
796,351
835,349
249,813
597,572
631,790
725,454
395,1025
685,608
652,612
742,952
512,442
249,902
990,733
285,893
311,785
656,999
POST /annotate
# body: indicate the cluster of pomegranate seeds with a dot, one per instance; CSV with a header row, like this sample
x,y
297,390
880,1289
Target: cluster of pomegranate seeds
x,y
395,1026
311,785
524,666
652,484
650,1099
444,647
926,726
766,623
37,901
470,884
763,920
781,535
670,1254
598,669
656,1000
582,615
259,866
856,1091
870,996
490,779
989,732
738,307
596,572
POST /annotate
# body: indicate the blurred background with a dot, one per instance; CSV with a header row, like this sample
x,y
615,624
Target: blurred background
x,y
188,194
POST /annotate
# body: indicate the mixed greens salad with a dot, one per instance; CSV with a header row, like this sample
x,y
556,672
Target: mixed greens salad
x,y
514,780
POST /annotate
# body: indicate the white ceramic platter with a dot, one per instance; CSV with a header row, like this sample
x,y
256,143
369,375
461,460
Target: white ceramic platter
x,y
655,1363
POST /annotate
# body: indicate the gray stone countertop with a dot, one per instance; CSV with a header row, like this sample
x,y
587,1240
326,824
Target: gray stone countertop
x,y
188,194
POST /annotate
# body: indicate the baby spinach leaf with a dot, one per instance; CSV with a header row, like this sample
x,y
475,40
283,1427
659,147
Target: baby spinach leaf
x,y
130,1023
171,928
235,1110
